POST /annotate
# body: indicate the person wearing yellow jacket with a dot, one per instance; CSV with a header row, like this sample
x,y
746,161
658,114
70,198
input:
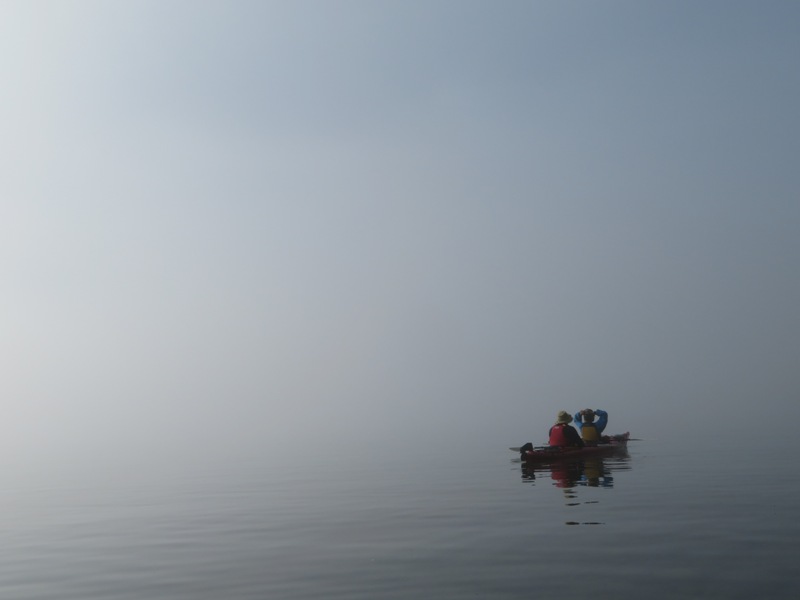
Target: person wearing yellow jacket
x,y
591,431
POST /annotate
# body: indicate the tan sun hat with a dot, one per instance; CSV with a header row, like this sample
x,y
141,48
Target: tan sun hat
x,y
564,417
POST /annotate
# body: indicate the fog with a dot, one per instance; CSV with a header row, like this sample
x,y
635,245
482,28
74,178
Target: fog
x,y
240,230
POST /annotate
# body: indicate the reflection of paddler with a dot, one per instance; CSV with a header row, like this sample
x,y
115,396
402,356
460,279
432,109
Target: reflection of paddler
x,y
593,470
565,474
595,473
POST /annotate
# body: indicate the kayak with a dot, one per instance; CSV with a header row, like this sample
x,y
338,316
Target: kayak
x,y
611,444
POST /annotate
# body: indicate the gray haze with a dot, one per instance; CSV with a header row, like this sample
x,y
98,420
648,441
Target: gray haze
x,y
243,229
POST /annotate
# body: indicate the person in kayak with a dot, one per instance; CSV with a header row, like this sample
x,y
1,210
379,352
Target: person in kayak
x,y
562,434
591,431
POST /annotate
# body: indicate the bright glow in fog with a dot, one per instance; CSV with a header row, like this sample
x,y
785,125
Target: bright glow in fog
x,y
230,229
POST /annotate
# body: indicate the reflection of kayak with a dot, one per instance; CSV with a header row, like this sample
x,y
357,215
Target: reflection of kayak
x,y
541,454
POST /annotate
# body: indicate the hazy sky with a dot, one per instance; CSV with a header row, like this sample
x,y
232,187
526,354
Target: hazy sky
x,y
240,227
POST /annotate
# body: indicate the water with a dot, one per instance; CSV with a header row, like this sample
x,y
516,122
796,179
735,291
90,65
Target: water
x,y
666,521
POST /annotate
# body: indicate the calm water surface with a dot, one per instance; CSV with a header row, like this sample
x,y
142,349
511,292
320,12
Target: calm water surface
x,y
665,521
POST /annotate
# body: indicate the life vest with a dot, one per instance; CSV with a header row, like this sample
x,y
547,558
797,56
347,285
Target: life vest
x,y
557,437
589,433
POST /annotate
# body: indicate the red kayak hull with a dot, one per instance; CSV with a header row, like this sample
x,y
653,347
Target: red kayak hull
x,y
615,444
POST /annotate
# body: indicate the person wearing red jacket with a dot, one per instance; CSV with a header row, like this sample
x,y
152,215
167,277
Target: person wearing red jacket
x,y
562,434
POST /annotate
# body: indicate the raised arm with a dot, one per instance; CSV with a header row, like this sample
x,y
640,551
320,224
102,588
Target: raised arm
x,y
602,420
577,421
